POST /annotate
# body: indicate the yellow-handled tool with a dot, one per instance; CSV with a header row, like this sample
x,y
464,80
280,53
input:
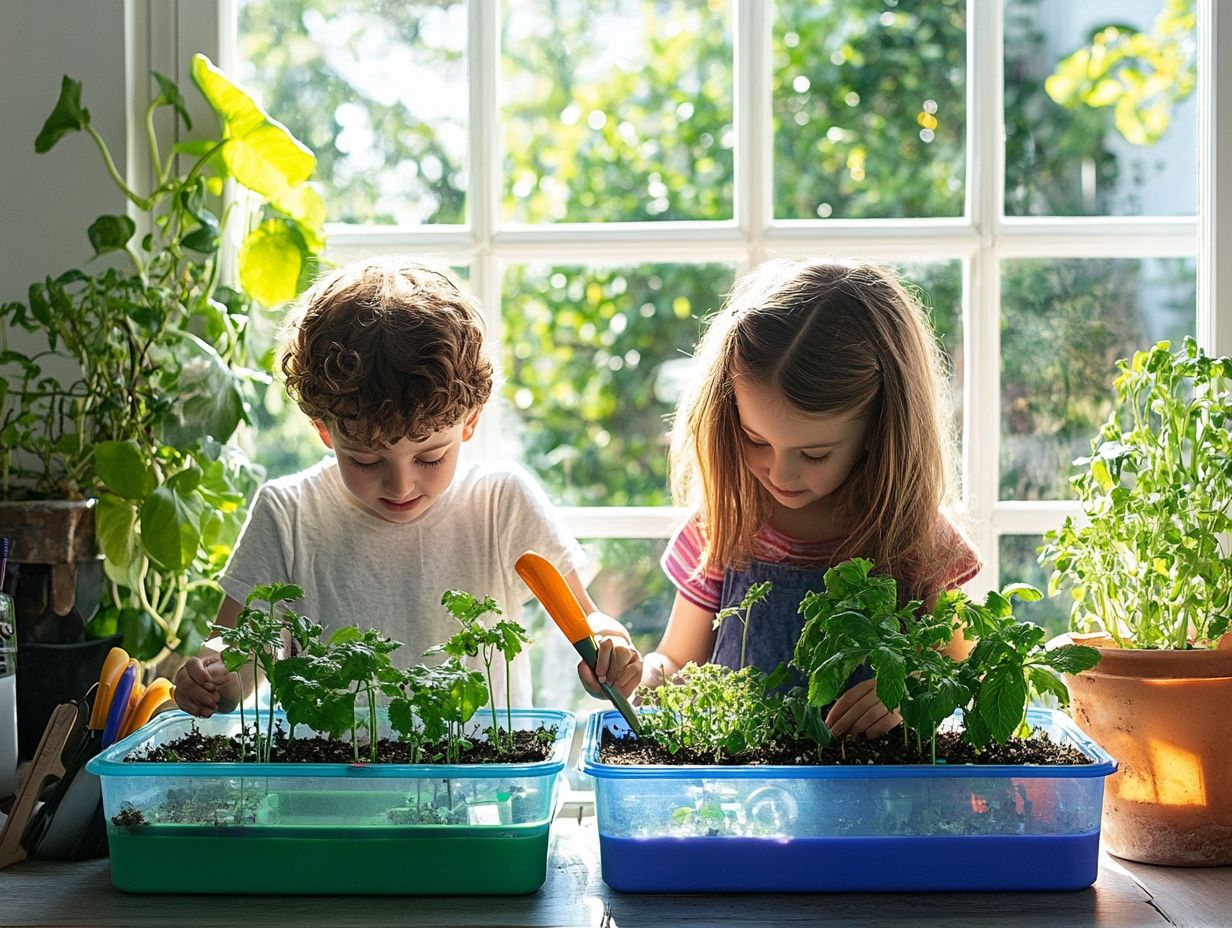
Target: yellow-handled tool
x,y
114,665
154,696
551,589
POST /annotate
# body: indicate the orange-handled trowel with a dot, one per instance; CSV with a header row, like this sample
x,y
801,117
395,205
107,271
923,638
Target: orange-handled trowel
x,y
550,588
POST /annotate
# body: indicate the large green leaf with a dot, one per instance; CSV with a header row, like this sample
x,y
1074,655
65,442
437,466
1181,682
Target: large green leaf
x,y
1002,699
270,261
115,522
68,116
260,152
170,529
124,469
143,637
209,396
306,206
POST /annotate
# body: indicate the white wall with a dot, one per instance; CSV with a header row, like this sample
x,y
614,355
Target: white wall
x,y
48,201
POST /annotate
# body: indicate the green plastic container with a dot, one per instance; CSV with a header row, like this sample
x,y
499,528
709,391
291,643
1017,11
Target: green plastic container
x,y
480,829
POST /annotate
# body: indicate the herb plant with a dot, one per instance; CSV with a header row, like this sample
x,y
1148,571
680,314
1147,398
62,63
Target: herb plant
x,y
433,704
477,639
1149,562
320,684
711,709
856,620
159,354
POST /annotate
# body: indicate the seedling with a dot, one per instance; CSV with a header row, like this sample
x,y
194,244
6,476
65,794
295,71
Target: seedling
x,y
477,639
711,709
255,639
756,594
433,704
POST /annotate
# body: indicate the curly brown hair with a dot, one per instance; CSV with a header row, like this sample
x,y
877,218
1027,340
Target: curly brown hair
x,y
387,348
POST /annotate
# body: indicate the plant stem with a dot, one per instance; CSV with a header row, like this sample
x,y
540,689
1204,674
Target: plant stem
x,y
508,705
155,158
372,741
140,201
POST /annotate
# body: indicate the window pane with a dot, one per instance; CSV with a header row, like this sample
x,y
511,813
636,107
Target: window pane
x,y
629,586
593,359
616,110
869,109
1122,141
377,90
1019,565
1065,324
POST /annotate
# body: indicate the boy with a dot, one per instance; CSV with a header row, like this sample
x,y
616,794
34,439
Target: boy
x,y
386,357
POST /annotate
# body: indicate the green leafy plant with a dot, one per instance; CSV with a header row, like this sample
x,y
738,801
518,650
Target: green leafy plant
x,y
321,683
856,620
433,704
711,709
1147,562
255,640
477,639
161,354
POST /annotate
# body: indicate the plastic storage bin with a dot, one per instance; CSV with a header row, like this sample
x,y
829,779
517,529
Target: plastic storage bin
x,y
327,828
858,829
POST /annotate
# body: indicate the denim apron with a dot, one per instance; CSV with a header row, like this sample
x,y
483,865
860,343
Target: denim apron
x,y
774,623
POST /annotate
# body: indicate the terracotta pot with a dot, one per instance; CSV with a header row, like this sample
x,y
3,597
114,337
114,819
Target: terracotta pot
x,y
1164,716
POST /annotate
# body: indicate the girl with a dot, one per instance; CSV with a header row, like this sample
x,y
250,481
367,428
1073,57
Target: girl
x,y
816,432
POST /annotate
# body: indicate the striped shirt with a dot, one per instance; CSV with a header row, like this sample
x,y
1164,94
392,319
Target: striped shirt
x,y
684,554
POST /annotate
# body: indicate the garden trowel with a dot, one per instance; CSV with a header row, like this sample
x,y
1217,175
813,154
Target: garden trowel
x,y
550,588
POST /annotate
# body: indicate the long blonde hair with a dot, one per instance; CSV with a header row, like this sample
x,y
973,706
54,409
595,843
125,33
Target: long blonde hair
x,y
834,338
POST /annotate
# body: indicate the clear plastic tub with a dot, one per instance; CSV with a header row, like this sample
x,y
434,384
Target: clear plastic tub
x,y
327,828
849,828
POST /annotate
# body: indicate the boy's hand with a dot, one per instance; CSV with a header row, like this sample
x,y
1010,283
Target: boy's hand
x,y
618,664
859,711
203,686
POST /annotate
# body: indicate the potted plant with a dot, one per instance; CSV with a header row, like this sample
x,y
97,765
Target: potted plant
x,y
359,777
1149,569
736,785
132,443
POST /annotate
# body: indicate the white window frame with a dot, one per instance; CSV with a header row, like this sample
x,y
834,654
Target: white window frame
x,y
163,35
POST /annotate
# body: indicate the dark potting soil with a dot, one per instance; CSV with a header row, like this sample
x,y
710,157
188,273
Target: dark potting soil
x,y
852,750
196,747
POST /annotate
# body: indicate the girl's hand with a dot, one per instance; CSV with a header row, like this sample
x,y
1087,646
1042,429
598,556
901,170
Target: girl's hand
x,y
657,670
859,711
204,686
618,664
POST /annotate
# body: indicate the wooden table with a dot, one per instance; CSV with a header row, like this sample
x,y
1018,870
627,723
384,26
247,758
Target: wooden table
x,y
1124,896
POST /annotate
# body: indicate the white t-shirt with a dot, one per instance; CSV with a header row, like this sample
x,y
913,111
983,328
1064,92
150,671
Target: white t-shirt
x,y
357,569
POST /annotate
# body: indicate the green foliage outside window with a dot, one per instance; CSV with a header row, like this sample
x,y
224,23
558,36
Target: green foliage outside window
x,y
869,109
588,136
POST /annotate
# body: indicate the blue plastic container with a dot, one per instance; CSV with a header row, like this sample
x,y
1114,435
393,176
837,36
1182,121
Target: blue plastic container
x,y
849,829
327,828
